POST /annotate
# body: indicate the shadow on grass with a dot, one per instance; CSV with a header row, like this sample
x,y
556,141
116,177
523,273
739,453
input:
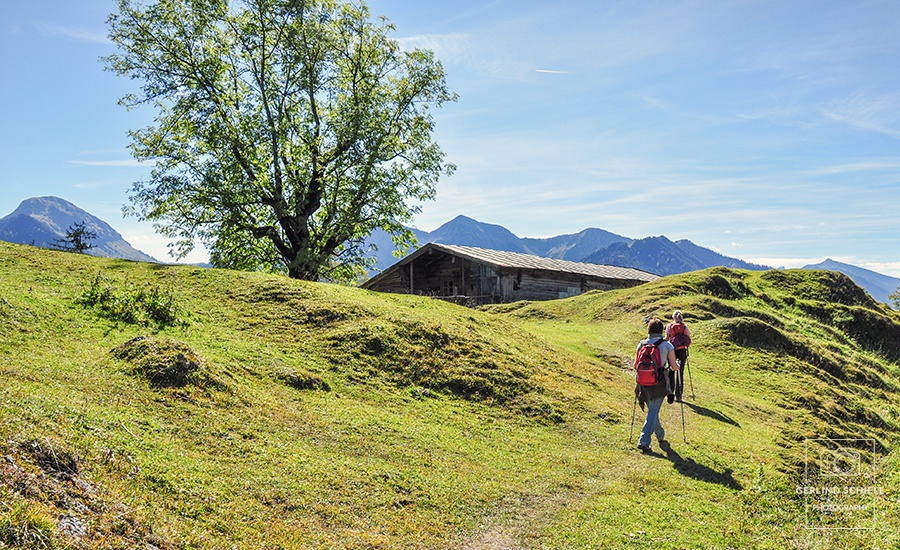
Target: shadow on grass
x,y
715,415
693,469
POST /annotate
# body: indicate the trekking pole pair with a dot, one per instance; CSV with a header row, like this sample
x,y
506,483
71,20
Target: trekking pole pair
x,y
681,376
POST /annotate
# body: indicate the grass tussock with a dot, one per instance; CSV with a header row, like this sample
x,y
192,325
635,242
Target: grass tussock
x,y
303,380
428,355
164,363
23,525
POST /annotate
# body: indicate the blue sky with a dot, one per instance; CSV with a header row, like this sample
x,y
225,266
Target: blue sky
x,y
765,130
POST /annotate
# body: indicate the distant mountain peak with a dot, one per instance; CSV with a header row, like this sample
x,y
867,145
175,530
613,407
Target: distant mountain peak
x,y
44,221
466,231
463,218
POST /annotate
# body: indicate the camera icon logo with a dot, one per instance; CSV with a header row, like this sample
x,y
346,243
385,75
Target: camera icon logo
x,y
840,462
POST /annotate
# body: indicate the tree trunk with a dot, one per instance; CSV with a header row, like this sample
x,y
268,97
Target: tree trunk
x,y
304,272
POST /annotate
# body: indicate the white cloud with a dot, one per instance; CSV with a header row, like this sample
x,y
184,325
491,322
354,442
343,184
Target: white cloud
x,y
114,163
157,246
445,46
871,112
862,124
96,184
81,35
872,165
887,268
788,262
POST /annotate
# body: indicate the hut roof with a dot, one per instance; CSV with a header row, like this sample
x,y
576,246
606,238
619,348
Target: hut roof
x,y
515,260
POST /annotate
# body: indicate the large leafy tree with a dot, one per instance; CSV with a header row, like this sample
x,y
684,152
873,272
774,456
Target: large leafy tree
x,y
287,130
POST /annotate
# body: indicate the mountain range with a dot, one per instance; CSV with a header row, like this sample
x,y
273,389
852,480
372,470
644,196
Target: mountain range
x,y
657,255
44,221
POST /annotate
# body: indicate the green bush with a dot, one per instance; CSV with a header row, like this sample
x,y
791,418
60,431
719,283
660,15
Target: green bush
x,y
133,305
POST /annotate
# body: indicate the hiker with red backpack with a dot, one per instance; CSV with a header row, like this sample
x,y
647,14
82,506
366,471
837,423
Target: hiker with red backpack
x,y
654,355
679,335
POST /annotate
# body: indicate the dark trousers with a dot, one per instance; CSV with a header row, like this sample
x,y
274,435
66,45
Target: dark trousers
x,y
676,379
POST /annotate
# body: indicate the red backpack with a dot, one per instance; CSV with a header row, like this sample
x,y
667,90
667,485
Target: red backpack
x,y
648,364
679,338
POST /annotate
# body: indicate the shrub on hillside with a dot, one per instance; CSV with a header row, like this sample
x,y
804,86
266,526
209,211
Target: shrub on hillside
x,y
133,305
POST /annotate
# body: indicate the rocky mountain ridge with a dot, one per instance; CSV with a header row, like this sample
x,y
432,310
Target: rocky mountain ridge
x,y
43,222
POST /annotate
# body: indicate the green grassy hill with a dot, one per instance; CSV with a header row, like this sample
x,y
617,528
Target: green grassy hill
x,y
148,406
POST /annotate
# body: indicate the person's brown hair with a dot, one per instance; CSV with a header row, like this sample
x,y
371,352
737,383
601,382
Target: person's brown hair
x,y
655,326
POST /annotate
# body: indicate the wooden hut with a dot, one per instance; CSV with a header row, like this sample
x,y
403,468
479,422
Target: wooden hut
x,y
474,276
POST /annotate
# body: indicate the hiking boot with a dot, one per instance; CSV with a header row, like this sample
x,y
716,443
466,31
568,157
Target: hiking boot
x,y
671,398
644,448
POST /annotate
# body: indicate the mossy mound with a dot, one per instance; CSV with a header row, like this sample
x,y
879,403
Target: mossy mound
x,y
820,286
302,380
723,283
163,363
431,356
754,333
446,359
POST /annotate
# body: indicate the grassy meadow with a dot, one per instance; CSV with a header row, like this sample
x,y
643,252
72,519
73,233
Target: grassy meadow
x,y
173,407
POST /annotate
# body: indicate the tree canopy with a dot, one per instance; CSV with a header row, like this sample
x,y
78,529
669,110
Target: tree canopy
x,y
287,130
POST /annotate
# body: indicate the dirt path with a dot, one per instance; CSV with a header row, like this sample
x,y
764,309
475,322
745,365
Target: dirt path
x,y
506,533
494,539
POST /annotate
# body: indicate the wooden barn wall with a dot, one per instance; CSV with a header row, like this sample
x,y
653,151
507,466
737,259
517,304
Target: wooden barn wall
x,y
545,285
396,281
444,275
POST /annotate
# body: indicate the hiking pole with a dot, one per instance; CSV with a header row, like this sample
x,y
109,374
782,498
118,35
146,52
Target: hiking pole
x,y
633,411
693,397
683,435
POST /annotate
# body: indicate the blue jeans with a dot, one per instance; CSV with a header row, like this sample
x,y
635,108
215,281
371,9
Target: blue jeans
x,y
652,425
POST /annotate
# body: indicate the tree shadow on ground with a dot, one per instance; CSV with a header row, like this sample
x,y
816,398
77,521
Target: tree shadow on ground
x,y
693,469
715,415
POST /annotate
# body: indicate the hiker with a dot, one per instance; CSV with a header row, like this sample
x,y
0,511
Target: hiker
x,y
679,335
653,395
